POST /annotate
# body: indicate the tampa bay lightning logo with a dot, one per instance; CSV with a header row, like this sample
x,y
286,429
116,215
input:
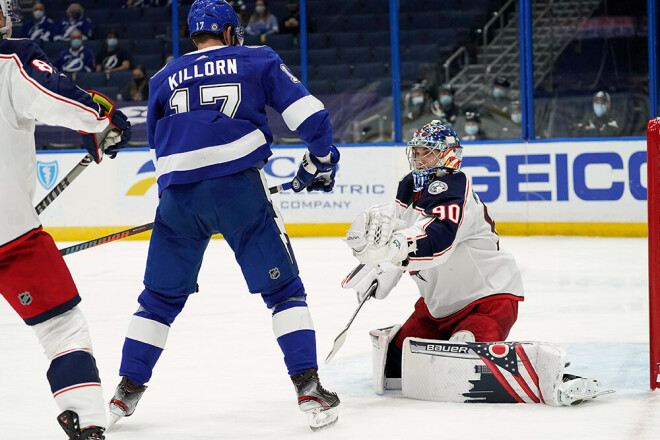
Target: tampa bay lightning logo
x,y
47,173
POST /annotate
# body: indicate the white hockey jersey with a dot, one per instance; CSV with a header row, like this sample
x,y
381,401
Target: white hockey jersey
x,y
30,89
458,261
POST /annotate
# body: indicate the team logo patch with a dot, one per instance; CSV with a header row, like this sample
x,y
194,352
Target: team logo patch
x,y
274,273
25,298
214,27
437,187
498,350
47,173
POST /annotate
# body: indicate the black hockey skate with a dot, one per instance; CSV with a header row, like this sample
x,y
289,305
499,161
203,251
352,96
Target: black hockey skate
x,y
319,403
126,398
68,420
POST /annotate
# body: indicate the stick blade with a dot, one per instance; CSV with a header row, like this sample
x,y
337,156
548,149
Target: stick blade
x,y
339,341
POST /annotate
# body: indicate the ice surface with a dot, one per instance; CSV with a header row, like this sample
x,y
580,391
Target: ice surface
x,y
222,374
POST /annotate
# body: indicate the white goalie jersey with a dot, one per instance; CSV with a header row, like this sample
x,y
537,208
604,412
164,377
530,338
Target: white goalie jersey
x,y
31,89
454,254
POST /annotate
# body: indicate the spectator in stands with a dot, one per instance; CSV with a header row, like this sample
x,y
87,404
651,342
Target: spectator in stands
x,y
145,3
600,122
473,130
77,58
75,20
499,102
112,58
241,10
138,88
417,101
291,23
444,107
40,28
262,22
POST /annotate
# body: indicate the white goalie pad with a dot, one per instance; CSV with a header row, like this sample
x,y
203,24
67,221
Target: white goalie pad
x,y
497,372
380,339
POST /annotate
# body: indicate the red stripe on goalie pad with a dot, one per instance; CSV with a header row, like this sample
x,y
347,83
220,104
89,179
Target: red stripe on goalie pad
x,y
530,368
500,378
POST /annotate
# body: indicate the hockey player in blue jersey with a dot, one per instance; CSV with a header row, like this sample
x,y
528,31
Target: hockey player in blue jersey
x,y
207,128
34,278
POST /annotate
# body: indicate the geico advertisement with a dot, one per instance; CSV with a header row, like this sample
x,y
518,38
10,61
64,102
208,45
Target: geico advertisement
x,y
592,182
602,182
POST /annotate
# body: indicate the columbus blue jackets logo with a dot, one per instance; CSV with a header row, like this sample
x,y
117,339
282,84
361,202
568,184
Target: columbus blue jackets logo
x,y
437,187
25,298
47,173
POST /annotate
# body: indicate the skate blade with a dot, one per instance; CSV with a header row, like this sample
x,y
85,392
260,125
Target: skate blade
x,y
320,419
112,420
589,396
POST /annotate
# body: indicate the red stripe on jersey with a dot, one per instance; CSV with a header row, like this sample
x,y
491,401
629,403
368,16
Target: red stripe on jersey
x,y
529,367
500,378
47,92
69,351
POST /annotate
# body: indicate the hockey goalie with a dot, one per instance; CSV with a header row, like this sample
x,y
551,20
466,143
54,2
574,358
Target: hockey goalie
x,y
451,348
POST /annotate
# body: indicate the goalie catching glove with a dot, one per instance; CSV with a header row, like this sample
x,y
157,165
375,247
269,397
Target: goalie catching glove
x,y
374,238
317,173
115,136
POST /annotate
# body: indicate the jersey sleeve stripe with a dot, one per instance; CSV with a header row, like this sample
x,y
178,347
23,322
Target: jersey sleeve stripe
x,y
50,93
296,113
213,155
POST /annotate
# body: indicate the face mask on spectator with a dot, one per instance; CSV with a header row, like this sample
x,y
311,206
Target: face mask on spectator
x,y
446,99
75,15
111,42
516,117
498,93
38,14
138,78
600,109
260,9
77,43
471,129
416,100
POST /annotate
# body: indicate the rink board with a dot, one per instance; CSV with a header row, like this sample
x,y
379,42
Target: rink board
x,y
540,188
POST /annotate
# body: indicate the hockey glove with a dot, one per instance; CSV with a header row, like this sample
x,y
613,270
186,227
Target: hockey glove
x,y
114,137
317,173
364,275
374,240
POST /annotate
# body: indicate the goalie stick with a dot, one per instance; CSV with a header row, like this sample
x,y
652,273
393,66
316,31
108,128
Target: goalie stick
x,y
139,229
66,181
341,337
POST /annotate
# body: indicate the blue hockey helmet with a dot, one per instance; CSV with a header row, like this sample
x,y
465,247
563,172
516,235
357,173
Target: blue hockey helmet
x,y
434,147
213,16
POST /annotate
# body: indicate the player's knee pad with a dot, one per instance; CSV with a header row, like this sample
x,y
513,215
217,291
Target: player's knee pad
x,y
165,307
64,332
380,340
293,289
498,372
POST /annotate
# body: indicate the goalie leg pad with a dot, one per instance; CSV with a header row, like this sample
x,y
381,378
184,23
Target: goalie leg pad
x,y
380,339
494,372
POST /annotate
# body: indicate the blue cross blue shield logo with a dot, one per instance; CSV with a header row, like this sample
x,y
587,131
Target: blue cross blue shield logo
x,y
47,173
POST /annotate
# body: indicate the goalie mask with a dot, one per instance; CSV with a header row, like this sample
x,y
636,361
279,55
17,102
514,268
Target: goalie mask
x,y
214,16
433,148
11,9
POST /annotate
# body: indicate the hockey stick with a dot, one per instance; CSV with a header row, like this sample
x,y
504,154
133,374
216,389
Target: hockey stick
x,y
341,338
139,229
66,181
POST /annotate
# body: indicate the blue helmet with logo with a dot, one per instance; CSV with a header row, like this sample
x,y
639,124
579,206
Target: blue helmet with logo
x,y
213,16
434,147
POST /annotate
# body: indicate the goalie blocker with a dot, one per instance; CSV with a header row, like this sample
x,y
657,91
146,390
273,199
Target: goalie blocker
x,y
480,372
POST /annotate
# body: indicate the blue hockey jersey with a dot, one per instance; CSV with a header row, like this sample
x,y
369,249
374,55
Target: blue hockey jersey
x,y
206,116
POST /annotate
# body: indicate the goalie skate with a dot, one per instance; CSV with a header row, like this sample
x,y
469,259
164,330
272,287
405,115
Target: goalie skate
x,y
70,423
575,390
126,398
319,404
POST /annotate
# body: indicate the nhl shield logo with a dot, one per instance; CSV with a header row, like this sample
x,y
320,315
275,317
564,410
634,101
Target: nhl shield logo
x,y
25,298
47,173
274,273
